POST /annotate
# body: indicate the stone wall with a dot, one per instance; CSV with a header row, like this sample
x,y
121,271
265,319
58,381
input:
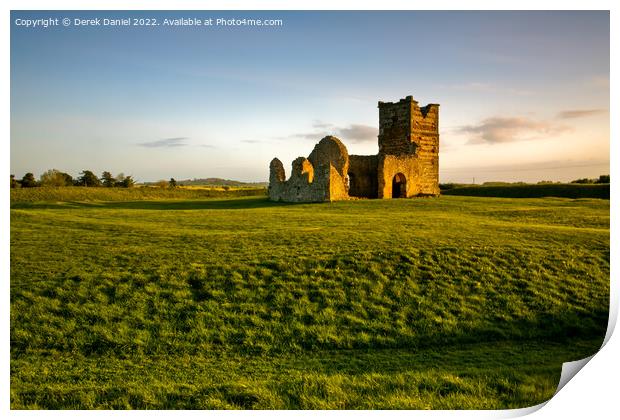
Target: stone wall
x,y
389,166
321,177
338,189
395,127
363,176
426,134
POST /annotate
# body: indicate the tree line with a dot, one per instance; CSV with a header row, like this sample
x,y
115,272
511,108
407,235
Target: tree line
x,y
56,178
603,179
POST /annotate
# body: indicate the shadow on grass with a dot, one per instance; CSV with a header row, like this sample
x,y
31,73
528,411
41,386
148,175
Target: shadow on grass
x,y
477,376
238,203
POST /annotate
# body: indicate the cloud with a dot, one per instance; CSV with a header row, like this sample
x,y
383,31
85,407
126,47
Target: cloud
x,y
486,88
359,133
311,136
497,130
578,113
321,124
170,142
353,133
252,141
208,146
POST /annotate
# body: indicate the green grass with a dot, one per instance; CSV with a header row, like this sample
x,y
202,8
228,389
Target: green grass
x,y
81,194
533,191
453,302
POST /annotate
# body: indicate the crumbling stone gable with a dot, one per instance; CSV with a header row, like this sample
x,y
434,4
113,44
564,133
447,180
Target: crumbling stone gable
x,y
321,177
407,164
331,150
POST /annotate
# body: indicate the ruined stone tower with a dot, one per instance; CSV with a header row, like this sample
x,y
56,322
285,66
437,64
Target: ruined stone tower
x,y
407,164
409,147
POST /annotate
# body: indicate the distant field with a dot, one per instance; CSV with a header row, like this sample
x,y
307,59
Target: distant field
x,y
449,302
68,194
534,191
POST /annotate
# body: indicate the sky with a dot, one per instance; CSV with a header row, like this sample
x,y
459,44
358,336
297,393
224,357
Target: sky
x,y
524,96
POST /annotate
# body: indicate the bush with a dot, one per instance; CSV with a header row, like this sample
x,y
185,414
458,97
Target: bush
x,y
28,181
583,181
126,182
448,186
602,179
107,179
88,179
55,178
161,184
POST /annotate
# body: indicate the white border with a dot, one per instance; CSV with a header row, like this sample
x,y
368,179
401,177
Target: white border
x,y
307,5
593,393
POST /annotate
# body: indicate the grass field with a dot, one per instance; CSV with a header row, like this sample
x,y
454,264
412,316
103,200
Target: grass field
x,y
80,194
452,302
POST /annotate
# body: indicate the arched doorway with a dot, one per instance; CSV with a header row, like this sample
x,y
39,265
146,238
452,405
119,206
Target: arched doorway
x,y
399,186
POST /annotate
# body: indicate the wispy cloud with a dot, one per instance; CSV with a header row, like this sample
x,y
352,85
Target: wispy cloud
x,y
354,133
310,136
252,141
170,142
498,130
486,88
321,124
359,133
578,113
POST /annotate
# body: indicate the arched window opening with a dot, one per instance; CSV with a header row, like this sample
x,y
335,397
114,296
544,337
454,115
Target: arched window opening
x,y
350,181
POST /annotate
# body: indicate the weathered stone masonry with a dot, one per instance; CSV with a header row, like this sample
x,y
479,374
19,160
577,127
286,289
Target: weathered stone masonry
x,y
407,164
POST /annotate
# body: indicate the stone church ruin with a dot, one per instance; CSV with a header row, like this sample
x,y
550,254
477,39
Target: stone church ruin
x,y
407,164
